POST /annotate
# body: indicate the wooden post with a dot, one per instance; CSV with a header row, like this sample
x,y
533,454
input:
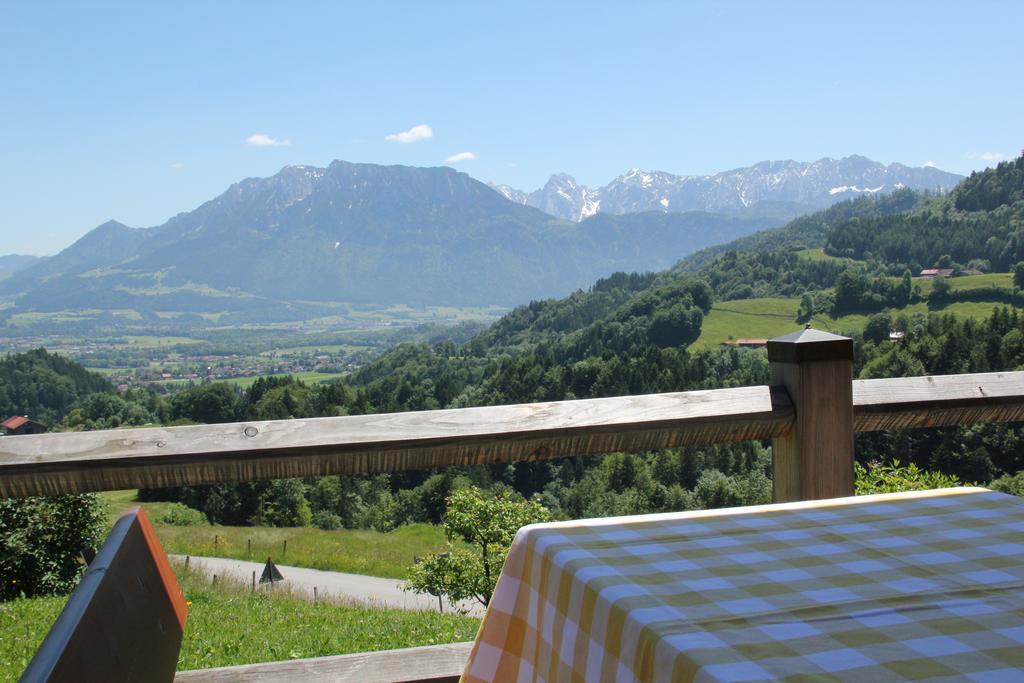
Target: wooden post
x,y
815,460
284,549
250,547
253,580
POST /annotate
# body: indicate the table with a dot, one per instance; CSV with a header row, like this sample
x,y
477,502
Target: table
x,y
910,586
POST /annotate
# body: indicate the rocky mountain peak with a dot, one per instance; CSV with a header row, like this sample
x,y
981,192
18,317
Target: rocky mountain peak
x,y
812,185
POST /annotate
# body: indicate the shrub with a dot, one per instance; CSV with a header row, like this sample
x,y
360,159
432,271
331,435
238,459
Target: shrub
x,y
288,504
328,521
182,515
1009,483
40,542
879,478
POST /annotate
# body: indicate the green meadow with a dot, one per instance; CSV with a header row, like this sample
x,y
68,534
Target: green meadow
x,y
230,625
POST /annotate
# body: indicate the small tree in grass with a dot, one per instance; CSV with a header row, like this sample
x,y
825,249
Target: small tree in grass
x,y
487,523
1018,275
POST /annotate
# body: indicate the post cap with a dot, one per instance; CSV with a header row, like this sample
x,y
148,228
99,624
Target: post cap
x,y
809,345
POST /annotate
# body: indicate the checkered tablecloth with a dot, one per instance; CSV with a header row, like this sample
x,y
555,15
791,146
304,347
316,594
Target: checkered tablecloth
x,y
914,586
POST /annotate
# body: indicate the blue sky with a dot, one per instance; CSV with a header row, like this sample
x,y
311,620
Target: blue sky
x,y
138,111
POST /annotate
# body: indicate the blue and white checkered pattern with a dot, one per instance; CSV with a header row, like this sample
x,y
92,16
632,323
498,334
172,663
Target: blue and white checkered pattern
x,y
917,586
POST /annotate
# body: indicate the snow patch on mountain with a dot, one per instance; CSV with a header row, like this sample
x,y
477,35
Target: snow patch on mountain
x,y
854,188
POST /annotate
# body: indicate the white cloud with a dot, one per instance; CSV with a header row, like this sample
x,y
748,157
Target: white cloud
x,y
461,156
414,134
993,156
929,164
264,140
177,166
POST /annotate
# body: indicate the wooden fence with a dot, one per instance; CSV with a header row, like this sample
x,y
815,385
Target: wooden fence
x,y
810,413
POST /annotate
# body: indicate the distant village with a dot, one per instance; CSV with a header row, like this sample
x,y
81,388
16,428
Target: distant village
x,y
213,368
158,368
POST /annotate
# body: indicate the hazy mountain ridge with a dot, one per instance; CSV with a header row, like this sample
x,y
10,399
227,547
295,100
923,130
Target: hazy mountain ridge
x,y
11,263
813,185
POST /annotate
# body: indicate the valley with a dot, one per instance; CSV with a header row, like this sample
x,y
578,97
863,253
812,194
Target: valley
x,y
170,350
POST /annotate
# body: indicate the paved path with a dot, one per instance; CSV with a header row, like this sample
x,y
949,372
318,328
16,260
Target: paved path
x,y
370,590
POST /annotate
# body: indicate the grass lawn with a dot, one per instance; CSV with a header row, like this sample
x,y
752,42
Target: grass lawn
x,y
307,377
106,372
820,255
773,317
748,319
229,625
967,282
246,382
153,341
346,550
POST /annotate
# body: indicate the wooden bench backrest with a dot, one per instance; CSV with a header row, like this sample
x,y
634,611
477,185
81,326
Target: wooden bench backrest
x,y
124,621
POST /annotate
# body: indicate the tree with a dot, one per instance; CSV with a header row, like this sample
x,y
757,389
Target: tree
x,y
941,290
1018,275
677,326
904,291
806,310
288,504
851,288
209,403
487,524
878,327
40,542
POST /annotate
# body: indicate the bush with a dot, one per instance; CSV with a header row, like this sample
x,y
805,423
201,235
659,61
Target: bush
x,y
40,542
288,504
894,478
1009,483
182,515
328,521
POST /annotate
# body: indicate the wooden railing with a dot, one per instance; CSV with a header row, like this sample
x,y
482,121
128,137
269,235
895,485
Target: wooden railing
x,y
810,413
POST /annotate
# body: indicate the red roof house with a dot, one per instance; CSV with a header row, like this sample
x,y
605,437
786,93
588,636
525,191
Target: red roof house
x,y
20,424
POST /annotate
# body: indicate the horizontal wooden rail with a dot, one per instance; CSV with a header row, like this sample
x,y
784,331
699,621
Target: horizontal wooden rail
x,y
430,664
69,462
937,401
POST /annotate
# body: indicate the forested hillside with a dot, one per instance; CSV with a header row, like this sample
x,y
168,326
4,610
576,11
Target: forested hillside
x,y
44,386
981,223
811,230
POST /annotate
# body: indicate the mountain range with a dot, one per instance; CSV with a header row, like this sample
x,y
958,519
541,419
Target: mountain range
x,y
308,237
359,233
808,185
